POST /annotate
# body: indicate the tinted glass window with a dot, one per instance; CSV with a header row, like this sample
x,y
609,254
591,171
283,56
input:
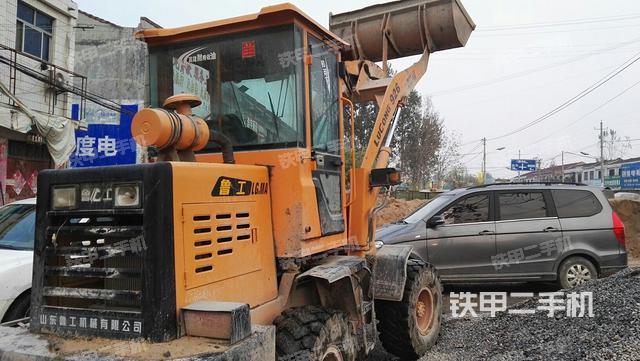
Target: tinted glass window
x,y
323,85
429,208
468,210
25,13
44,22
575,203
519,205
250,84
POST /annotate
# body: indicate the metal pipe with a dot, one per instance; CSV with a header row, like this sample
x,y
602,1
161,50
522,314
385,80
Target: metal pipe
x,y
225,146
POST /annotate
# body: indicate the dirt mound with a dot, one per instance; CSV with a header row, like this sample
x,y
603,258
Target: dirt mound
x,y
629,212
396,209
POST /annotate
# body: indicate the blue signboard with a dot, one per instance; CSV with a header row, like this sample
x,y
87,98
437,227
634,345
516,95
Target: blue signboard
x,y
630,176
523,164
105,144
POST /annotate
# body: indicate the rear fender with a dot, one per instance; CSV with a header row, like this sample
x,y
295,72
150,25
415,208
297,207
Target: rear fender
x,y
339,281
390,271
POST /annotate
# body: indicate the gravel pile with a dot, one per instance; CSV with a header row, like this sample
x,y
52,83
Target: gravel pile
x,y
612,334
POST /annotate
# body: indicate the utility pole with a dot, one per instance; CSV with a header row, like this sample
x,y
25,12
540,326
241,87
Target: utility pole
x,y
484,160
562,168
519,163
601,155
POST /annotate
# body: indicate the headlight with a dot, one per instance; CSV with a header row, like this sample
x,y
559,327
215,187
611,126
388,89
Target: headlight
x,y
64,197
127,195
379,244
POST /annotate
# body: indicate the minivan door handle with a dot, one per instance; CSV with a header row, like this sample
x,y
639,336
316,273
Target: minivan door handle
x,y
486,233
551,229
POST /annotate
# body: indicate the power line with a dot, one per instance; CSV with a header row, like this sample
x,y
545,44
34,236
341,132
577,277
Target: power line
x,y
530,71
577,97
586,115
562,22
557,31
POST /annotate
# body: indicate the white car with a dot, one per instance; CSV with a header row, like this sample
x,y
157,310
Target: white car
x,y
17,228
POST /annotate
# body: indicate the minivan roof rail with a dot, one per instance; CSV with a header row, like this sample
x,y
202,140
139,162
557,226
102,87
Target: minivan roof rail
x,y
527,183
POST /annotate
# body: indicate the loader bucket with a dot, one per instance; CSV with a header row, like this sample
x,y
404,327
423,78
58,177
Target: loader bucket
x,y
410,27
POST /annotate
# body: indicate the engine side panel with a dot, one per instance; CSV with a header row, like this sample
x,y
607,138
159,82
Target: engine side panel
x,y
223,234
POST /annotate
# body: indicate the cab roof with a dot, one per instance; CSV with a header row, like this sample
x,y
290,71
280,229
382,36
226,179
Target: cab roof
x,y
268,16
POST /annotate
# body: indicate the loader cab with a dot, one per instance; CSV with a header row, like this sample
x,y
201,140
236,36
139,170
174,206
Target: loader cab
x,y
270,83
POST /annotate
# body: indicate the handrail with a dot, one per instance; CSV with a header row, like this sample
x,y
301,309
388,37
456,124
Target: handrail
x,y
353,151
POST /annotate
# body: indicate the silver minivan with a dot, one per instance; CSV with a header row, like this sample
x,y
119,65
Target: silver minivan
x,y
566,233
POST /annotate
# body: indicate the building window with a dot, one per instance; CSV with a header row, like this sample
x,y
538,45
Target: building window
x,y
33,31
612,172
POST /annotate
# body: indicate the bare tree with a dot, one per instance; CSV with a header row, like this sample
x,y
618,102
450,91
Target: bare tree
x,y
615,146
448,167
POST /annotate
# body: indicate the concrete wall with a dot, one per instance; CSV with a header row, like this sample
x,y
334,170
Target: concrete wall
x,y
115,64
34,93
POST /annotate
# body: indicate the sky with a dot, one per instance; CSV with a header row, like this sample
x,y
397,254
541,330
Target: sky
x,y
525,59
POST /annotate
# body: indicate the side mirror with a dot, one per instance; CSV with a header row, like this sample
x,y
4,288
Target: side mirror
x,y
435,221
384,177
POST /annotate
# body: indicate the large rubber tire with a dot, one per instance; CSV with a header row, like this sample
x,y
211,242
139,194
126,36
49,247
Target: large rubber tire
x,y
575,271
409,328
311,333
19,308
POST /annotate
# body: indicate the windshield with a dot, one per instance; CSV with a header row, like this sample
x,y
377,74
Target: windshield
x,y
17,226
435,204
251,85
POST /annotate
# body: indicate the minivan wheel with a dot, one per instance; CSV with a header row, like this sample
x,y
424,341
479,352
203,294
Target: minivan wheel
x,y
575,271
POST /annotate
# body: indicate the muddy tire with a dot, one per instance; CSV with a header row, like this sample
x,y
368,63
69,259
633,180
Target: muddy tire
x,y
409,328
311,333
575,271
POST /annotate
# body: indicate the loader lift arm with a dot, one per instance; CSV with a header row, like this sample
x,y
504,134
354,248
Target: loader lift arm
x,y
401,29
363,197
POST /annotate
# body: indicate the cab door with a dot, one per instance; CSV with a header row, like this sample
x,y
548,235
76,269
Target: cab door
x,y
325,135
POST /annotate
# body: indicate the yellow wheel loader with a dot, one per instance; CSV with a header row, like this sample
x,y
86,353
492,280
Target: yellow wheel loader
x,y
244,218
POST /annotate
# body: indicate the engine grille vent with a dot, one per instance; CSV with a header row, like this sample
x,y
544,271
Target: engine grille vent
x,y
219,239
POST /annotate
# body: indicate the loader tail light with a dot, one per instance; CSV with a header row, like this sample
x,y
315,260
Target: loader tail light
x,y
618,229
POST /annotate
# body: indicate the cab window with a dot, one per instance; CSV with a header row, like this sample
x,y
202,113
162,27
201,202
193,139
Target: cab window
x,y
251,85
323,95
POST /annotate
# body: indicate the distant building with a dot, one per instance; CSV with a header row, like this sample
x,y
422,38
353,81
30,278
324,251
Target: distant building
x,y
116,66
619,174
36,68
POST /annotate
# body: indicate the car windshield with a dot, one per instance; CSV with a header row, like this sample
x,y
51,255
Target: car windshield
x,y
17,226
435,204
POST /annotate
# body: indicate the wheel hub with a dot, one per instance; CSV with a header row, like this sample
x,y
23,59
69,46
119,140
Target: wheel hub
x,y
424,310
578,274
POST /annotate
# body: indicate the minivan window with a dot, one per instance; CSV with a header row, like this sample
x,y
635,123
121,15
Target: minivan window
x,y
421,213
520,205
575,203
468,210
